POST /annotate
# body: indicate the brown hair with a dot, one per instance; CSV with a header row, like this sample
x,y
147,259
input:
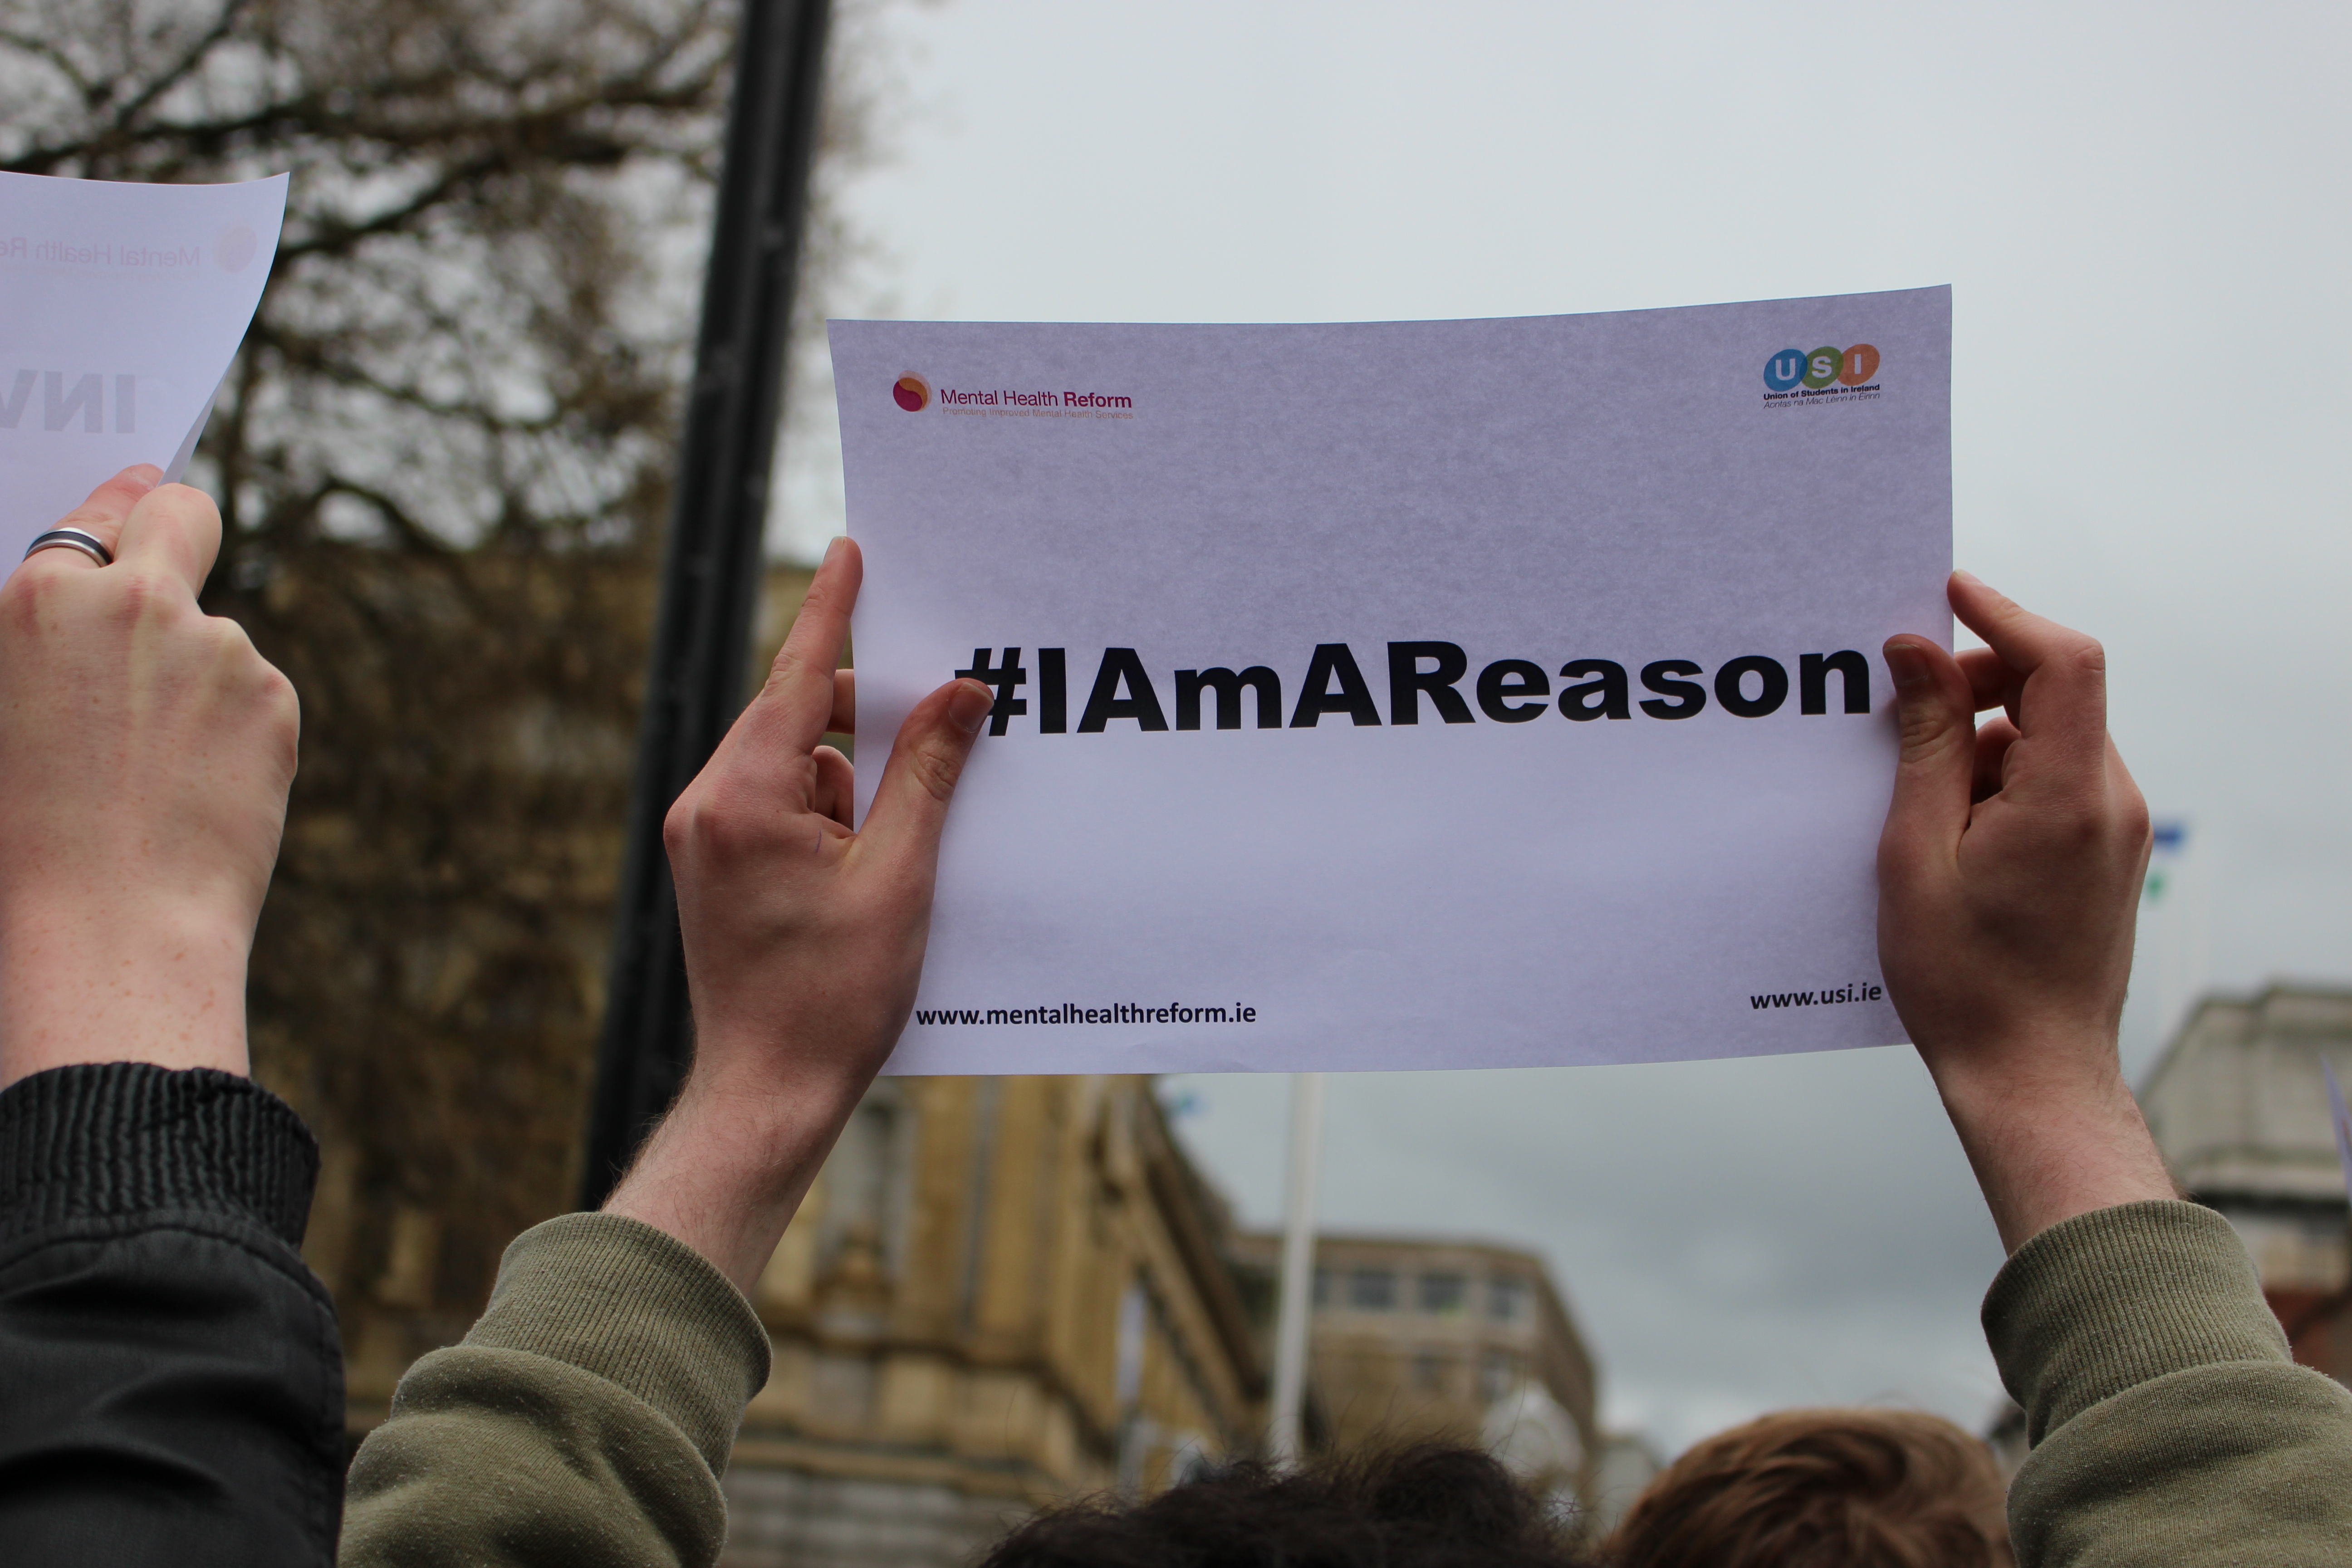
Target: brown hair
x,y
1823,1488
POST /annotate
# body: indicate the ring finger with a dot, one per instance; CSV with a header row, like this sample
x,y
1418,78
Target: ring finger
x,y
101,517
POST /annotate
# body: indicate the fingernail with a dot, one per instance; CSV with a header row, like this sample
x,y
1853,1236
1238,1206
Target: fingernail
x,y
970,705
835,547
1970,578
1907,665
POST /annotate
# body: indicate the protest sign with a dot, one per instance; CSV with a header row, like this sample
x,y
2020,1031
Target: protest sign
x,y
120,308
2342,1118
1402,695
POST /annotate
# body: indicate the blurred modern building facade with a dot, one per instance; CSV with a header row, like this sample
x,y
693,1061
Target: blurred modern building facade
x,y
2239,1105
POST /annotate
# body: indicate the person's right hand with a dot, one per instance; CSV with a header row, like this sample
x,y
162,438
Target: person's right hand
x,y
2009,873
145,754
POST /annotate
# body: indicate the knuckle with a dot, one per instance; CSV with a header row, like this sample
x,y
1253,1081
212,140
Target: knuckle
x,y
819,599
229,642
253,689
1925,732
935,767
715,819
27,595
788,664
681,825
2078,819
277,694
181,511
792,668
232,649
185,502
2132,820
143,595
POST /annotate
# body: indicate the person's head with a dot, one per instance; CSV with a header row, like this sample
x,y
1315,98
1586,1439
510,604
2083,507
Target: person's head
x,y
1822,1489
1430,1506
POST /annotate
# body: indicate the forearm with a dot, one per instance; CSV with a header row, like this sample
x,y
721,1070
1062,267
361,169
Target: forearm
x,y
139,977
2048,1145
728,1167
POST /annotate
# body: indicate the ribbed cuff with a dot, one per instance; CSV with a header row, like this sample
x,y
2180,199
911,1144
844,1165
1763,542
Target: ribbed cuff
x,y
639,1308
2119,1297
119,1138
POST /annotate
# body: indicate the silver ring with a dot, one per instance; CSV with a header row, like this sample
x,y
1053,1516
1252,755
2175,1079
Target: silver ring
x,y
89,544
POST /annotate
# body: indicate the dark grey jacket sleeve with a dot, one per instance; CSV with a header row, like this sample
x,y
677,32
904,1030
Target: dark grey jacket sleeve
x,y
171,1379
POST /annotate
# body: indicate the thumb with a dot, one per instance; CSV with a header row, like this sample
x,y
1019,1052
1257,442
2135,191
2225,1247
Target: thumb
x,y
1933,777
910,806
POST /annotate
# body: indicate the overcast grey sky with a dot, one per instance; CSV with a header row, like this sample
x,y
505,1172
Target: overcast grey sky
x,y
2141,208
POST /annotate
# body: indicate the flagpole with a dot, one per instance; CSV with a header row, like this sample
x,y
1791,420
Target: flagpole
x,y
1290,1335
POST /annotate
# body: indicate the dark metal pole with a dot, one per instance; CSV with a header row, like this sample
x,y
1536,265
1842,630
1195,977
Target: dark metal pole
x,y
710,574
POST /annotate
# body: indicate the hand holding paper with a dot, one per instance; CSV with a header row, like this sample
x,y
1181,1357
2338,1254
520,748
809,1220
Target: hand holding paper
x,y
804,940
1404,694
2010,872
145,754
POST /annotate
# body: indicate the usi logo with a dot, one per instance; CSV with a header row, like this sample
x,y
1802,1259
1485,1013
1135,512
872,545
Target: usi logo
x,y
1792,368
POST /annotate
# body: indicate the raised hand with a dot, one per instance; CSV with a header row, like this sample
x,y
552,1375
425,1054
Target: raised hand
x,y
145,754
804,940
2009,873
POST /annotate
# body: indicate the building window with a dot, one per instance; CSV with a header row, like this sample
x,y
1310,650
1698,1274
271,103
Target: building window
x,y
1499,1373
1429,1372
865,1180
1443,1292
1506,1299
1372,1289
1322,1287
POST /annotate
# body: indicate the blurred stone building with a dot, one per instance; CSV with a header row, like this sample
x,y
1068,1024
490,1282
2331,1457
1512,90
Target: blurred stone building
x,y
1000,1292
1416,1337
2239,1105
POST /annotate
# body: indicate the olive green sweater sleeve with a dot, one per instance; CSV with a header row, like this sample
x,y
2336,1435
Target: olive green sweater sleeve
x,y
2168,1425
583,1421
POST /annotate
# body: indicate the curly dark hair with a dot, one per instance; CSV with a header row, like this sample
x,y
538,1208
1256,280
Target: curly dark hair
x,y
1425,1506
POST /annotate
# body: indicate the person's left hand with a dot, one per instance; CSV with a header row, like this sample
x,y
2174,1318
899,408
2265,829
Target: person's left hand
x,y
804,938
2009,876
145,754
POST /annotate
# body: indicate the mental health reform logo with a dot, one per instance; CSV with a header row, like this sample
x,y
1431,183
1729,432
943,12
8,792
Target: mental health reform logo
x,y
1793,368
914,394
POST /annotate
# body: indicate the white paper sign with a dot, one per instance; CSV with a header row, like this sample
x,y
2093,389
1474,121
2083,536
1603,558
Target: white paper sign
x,y
120,308
1403,695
